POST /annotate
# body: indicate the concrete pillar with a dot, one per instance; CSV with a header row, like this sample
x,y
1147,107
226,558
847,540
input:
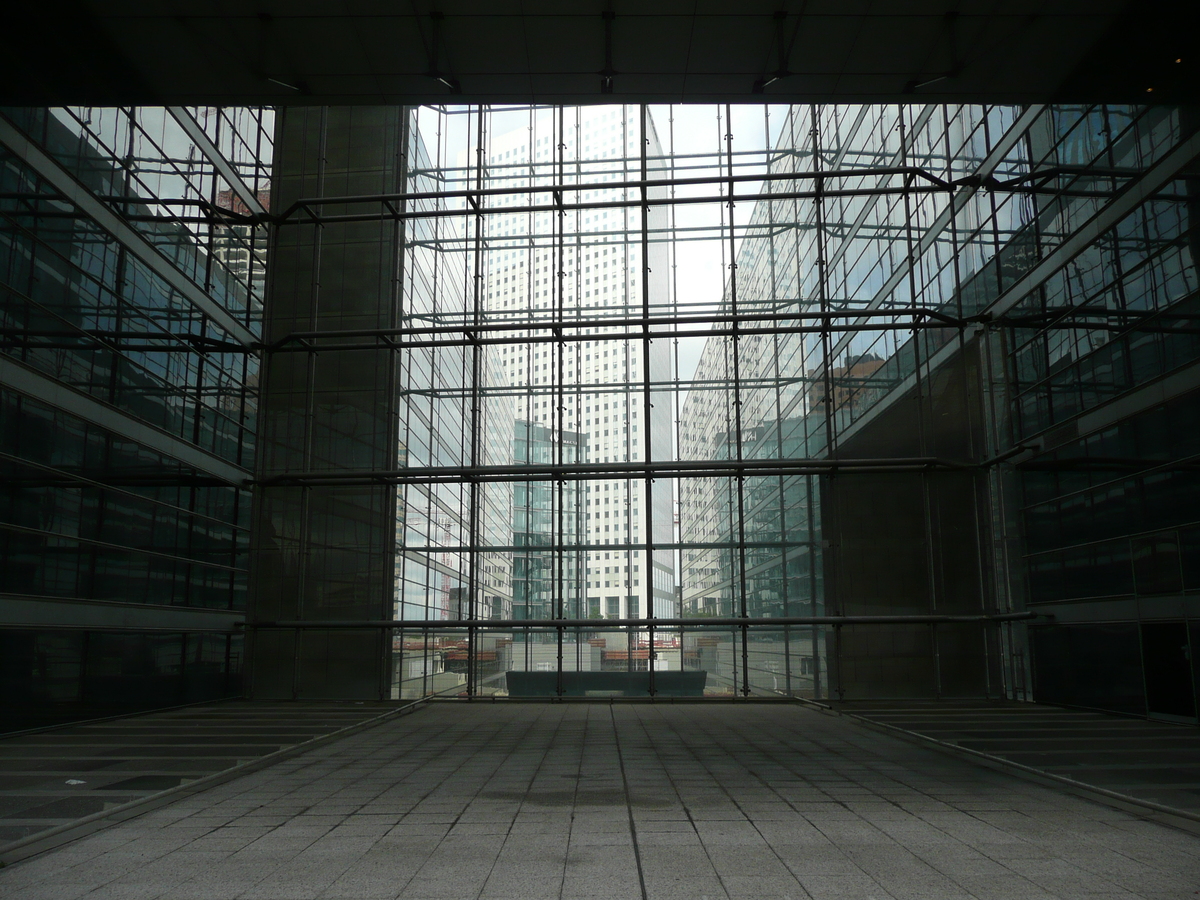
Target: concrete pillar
x,y
323,553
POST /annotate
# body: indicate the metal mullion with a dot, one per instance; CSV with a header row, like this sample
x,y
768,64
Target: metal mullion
x,y
812,485
828,516
676,412
433,416
557,571
781,481
559,291
648,431
921,395
991,488
473,486
739,481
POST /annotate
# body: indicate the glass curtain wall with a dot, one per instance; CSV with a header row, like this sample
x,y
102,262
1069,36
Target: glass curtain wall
x,y
734,401
131,291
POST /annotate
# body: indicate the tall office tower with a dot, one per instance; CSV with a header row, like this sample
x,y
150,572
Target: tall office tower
x,y
439,425
603,263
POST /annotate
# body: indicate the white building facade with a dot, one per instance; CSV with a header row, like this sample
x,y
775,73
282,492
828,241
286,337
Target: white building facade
x,y
606,382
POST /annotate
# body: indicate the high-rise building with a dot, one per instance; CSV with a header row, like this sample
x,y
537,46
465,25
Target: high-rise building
x,y
598,268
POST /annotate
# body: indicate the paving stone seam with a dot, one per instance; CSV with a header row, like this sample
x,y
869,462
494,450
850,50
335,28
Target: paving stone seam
x,y
54,837
637,853
41,729
1168,815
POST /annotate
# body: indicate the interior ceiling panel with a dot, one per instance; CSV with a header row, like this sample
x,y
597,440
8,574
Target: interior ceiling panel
x,y
664,40
107,52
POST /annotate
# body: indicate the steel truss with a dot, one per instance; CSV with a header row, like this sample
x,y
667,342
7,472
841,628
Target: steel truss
x,y
664,327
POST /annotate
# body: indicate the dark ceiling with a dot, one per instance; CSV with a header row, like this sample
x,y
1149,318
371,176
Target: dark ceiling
x,y
221,52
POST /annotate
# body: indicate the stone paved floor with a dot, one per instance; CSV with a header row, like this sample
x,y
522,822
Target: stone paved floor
x,y
57,776
623,801
1149,760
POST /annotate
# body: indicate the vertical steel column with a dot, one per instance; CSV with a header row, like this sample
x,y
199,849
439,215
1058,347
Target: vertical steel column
x,y
744,608
560,274
677,505
921,396
829,516
558,574
648,522
781,483
476,418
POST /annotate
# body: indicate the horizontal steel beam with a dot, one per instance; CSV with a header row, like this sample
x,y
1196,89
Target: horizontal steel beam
x,y
589,471
541,550
539,323
578,330
671,622
303,211
390,213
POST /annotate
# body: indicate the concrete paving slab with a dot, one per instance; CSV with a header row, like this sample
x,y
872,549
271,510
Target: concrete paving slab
x,y
657,801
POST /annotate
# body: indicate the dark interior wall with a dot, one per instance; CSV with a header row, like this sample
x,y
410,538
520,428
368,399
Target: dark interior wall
x,y
1098,666
908,543
1112,526
326,553
52,676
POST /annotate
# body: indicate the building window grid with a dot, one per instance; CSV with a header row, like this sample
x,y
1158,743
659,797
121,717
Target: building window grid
x,y
755,524
942,272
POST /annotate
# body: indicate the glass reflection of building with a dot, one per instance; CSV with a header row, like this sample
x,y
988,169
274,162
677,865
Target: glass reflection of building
x,y
547,580
1064,401
127,406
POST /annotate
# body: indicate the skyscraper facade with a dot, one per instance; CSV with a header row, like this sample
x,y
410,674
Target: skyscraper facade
x,y
588,262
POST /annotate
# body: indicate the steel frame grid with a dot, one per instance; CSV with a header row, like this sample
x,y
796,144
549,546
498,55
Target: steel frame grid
x,y
827,320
